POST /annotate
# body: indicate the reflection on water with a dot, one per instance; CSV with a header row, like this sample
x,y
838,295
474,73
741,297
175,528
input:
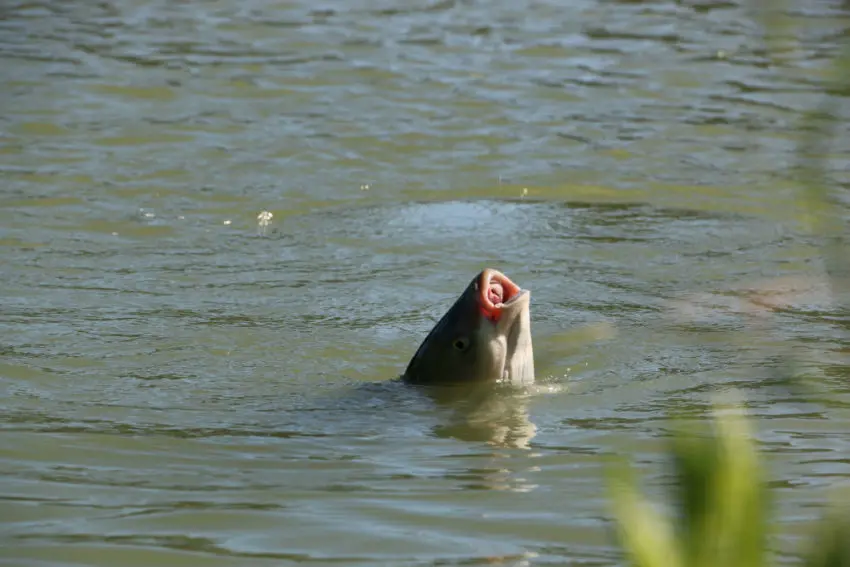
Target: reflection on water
x,y
181,382
486,414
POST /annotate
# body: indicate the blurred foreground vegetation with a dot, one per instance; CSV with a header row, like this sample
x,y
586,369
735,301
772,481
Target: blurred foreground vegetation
x,y
720,504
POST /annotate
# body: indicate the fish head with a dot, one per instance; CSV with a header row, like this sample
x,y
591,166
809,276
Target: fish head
x,y
484,337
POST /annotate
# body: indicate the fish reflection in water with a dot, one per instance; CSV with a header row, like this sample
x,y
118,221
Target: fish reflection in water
x,y
488,413
495,414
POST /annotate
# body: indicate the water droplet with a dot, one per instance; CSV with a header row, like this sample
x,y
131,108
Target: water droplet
x,y
263,221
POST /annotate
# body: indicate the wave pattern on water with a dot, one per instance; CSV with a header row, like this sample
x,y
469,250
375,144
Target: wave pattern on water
x,y
180,385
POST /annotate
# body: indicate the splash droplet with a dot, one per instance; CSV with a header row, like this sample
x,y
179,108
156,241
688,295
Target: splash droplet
x,y
263,221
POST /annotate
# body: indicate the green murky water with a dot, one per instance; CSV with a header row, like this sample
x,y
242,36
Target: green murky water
x,y
181,386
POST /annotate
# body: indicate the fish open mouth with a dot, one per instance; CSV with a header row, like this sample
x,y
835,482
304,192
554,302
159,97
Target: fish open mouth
x,y
496,291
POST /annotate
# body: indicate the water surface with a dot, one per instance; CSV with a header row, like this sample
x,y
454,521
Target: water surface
x,y
181,385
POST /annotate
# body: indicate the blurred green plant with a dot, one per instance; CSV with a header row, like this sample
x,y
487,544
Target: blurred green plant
x,y
820,211
720,505
720,502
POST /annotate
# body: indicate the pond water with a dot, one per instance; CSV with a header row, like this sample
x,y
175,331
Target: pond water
x,y
181,385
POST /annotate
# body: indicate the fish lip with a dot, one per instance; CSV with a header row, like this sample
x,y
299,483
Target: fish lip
x,y
520,295
514,293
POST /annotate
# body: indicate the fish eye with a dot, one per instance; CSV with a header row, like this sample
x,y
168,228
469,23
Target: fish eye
x,y
461,344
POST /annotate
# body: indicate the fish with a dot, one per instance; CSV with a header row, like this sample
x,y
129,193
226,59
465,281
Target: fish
x,y
484,337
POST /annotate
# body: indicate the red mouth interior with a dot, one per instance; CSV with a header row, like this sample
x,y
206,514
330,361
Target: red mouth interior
x,y
496,289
